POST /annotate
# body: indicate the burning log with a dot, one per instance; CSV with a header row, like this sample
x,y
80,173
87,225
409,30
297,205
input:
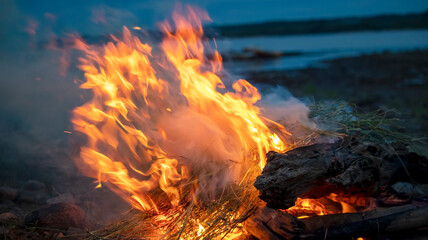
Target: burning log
x,y
347,167
267,223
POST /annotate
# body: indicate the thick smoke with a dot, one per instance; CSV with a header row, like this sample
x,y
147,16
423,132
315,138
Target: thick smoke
x,y
278,103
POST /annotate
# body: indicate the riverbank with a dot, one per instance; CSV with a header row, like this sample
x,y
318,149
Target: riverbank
x,y
316,26
377,81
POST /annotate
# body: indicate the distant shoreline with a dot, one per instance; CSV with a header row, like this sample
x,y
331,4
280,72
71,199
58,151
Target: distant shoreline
x,y
317,26
413,21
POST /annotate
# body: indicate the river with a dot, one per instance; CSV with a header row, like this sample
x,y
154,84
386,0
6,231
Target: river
x,y
318,47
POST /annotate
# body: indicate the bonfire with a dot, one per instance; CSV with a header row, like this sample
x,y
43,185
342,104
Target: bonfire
x,y
174,135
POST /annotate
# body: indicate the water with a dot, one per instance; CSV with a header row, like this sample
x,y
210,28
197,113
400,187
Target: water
x,y
318,47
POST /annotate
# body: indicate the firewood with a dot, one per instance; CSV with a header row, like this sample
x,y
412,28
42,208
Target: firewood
x,y
267,223
345,166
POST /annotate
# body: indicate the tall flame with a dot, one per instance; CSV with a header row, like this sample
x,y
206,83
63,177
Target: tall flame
x,y
160,117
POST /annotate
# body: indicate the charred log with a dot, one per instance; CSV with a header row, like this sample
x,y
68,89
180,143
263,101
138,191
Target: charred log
x,y
346,167
267,223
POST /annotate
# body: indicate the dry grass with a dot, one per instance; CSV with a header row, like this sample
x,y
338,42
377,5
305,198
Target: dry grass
x,y
219,219
344,119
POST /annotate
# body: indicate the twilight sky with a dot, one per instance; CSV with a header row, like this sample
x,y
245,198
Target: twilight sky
x,y
43,18
80,13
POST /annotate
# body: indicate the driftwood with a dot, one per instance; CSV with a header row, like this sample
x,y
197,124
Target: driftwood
x,y
345,167
270,224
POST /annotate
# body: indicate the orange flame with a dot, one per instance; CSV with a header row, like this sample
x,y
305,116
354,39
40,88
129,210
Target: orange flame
x,y
161,116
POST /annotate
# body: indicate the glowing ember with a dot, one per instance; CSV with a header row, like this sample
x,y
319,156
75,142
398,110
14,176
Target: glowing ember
x,y
331,204
162,122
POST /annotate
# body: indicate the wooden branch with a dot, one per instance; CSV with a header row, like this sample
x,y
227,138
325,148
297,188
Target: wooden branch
x,y
267,223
